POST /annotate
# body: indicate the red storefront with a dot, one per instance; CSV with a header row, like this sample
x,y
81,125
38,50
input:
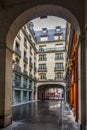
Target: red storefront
x,y
73,77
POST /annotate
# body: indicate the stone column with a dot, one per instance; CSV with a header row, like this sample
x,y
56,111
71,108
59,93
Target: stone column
x,y
13,96
36,92
86,73
81,82
64,95
21,91
5,86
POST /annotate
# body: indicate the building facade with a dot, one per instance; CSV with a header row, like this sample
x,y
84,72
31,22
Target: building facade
x,y
50,58
39,57
24,67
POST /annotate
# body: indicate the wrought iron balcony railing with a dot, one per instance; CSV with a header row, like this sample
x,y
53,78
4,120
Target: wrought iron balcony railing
x,y
44,59
51,49
57,58
59,69
42,69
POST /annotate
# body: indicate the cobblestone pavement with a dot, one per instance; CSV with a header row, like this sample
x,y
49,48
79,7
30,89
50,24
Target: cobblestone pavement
x,y
46,115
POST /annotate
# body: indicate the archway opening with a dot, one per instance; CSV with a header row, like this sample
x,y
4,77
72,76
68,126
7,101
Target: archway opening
x,y
34,12
51,92
68,16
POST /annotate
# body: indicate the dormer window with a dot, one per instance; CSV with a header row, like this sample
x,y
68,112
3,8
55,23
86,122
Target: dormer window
x,y
61,37
58,28
44,30
56,37
44,38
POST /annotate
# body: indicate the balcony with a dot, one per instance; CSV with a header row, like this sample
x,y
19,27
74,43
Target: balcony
x,y
44,59
25,59
62,58
31,52
17,51
25,72
59,69
42,69
17,68
51,49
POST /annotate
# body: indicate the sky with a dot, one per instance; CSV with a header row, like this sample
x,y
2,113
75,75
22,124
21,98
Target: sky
x,y
50,23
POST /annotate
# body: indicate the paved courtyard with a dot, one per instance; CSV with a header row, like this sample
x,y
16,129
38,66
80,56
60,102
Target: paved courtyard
x,y
45,115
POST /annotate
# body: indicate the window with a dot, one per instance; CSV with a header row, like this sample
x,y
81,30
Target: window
x,y
42,76
25,40
17,45
30,60
42,57
59,76
25,43
56,37
34,56
17,80
59,47
17,77
61,37
44,38
25,67
59,66
24,82
17,61
30,50
42,48
59,56
58,28
42,66
25,53
30,84
44,30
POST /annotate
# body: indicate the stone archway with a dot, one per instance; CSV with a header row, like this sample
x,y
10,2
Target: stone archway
x,y
11,22
38,11
41,88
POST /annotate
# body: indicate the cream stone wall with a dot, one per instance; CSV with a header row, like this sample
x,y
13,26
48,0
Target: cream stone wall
x,y
50,58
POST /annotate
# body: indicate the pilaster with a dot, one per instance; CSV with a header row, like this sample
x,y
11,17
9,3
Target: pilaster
x,y
5,85
82,81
